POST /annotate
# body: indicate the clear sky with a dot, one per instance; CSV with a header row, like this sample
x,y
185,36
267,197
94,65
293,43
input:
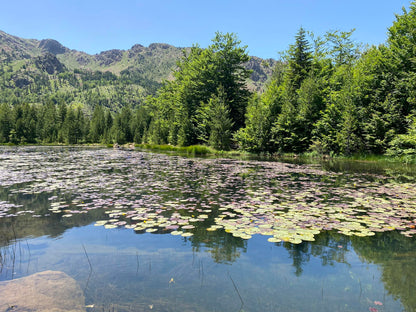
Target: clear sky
x,y
265,26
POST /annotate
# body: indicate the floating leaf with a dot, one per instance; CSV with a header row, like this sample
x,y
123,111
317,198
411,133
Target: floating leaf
x,y
274,240
187,234
176,233
110,226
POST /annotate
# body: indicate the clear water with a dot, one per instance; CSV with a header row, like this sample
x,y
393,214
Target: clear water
x,y
120,269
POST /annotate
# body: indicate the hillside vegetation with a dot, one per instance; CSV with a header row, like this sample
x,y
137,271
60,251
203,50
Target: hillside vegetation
x,y
33,72
327,95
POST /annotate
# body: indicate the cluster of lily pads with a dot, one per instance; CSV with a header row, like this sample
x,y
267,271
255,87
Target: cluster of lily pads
x,y
5,208
170,194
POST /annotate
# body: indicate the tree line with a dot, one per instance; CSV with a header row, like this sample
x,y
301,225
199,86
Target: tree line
x,y
59,123
328,95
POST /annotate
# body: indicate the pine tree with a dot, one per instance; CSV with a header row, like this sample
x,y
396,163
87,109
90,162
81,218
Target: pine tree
x,y
97,126
5,122
300,60
220,123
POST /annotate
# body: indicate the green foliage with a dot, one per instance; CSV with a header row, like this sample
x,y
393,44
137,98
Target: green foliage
x,y
121,129
219,122
299,60
256,136
342,49
6,122
184,108
332,98
24,123
97,126
404,145
194,150
326,96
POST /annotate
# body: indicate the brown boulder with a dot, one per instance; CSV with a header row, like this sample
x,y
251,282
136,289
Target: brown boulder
x,y
48,291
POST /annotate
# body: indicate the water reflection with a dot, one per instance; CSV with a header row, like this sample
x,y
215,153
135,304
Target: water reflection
x,y
396,258
122,269
334,273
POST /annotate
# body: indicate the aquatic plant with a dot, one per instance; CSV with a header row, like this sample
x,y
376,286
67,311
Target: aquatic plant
x,y
156,193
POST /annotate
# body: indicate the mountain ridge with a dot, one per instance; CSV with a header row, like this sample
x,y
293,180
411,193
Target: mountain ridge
x,y
103,60
33,70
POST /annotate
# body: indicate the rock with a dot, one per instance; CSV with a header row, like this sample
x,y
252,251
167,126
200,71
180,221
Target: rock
x,y
21,82
52,46
52,291
49,63
164,46
109,57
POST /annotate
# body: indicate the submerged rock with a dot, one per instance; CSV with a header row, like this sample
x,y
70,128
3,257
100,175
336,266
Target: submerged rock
x,y
45,291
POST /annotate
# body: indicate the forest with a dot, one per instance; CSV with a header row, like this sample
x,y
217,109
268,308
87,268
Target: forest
x,y
328,95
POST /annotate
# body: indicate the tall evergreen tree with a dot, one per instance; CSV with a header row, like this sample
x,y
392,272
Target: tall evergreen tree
x,y
139,124
6,122
49,123
97,125
218,121
299,60
69,127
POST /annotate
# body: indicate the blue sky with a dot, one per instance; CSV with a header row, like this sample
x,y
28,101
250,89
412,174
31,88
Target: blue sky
x,y
265,26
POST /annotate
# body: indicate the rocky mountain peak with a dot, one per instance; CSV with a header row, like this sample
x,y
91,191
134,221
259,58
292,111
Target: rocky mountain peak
x,y
164,46
52,46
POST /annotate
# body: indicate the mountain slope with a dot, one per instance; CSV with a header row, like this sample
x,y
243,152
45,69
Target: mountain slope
x,y
34,71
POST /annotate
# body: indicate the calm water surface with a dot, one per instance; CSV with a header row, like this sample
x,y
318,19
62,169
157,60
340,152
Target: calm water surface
x,y
151,251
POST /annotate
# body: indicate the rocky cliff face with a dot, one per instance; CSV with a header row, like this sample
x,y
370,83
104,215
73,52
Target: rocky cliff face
x,y
49,63
154,63
52,46
109,57
15,48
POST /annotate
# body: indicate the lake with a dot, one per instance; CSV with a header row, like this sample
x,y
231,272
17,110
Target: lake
x,y
143,231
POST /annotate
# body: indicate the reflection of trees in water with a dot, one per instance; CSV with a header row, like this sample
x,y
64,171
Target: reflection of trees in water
x,y
329,247
393,253
206,187
224,247
14,248
396,257
299,254
24,225
396,171
200,186
15,228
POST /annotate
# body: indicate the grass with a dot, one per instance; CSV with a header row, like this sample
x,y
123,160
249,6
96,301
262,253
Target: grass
x,y
379,158
202,150
405,159
188,150
195,150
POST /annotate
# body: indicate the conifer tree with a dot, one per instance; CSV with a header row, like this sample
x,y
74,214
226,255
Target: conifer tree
x,y
299,60
97,125
6,122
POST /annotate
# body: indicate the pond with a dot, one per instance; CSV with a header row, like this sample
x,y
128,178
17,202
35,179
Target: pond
x,y
143,231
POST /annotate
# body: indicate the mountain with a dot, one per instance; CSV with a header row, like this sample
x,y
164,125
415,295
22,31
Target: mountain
x,y
34,71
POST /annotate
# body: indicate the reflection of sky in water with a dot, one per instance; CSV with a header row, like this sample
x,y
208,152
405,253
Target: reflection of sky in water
x,y
130,270
210,271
